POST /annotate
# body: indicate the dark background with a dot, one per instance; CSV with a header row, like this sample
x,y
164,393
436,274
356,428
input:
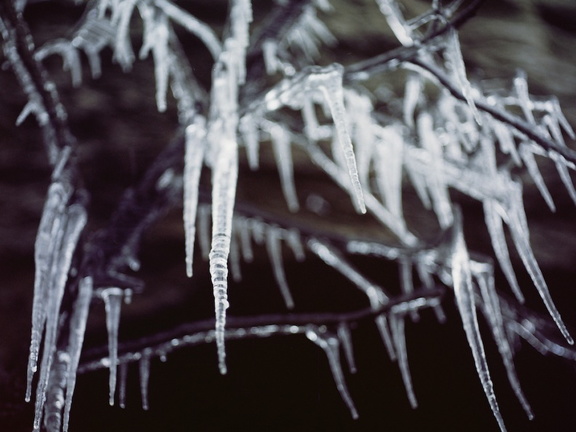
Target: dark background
x,y
283,383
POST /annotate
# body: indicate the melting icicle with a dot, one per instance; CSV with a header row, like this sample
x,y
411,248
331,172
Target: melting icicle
x,y
331,348
283,154
345,339
528,158
195,143
76,340
496,231
399,338
464,292
274,248
144,369
112,302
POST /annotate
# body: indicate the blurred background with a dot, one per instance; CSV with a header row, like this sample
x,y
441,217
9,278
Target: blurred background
x,y
283,383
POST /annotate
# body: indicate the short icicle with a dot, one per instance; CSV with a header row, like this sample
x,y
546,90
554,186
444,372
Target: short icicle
x,y
331,347
113,298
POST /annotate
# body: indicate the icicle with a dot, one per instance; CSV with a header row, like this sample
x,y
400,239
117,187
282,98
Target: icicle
x,y
249,131
399,338
506,140
519,231
437,184
345,339
396,21
224,178
242,227
562,169
521,88
55,393
359,111
123,52
311,126
464,292
528,158
123,377
112,302
293,240
454,55
331,87
195,134
76,340
406,281
204,213
388,168
274,249
156,35
382,326
67,231
411,97
283,154
52,218
193,25
493,315
331,348
496,231
144,368
235,258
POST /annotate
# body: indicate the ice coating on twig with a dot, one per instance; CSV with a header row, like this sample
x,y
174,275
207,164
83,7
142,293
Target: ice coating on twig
x,y
464,293
193,160
331,347
113,298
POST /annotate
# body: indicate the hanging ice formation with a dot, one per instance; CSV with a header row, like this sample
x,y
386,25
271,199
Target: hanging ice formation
x,y
266,90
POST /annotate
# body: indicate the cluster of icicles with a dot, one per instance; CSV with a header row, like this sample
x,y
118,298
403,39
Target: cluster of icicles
x,y
449,142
